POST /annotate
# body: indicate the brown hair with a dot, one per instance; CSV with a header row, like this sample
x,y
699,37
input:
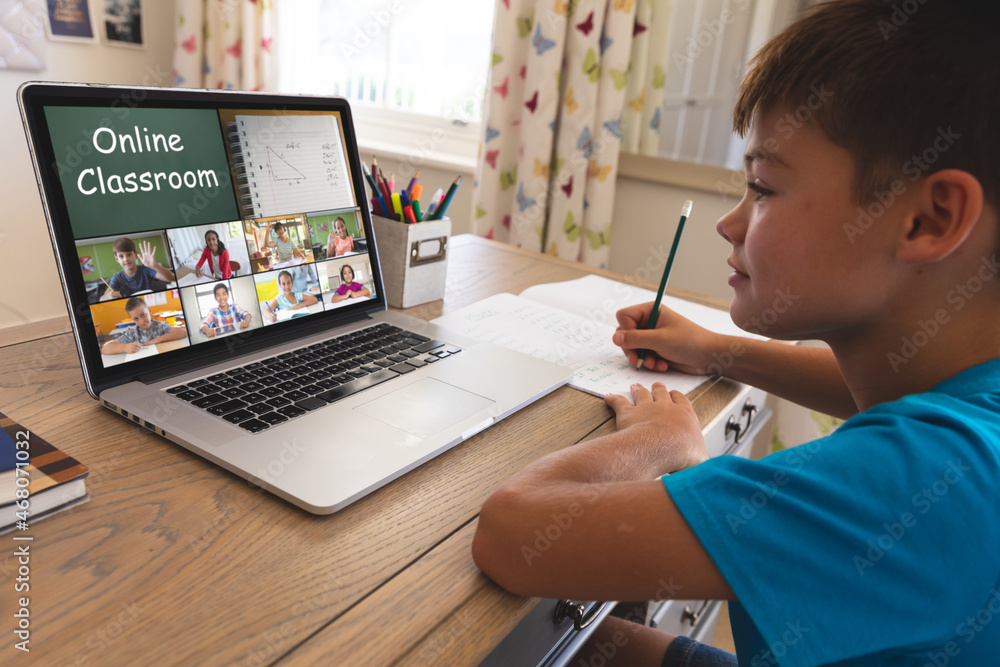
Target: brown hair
x,y
124,244
907,87
134,303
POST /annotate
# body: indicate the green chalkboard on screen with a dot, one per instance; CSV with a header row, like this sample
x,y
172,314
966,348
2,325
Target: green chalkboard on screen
x,y
128,169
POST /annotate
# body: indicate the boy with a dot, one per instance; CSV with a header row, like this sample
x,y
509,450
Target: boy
x,y
871,204
145,332
224,318
134,278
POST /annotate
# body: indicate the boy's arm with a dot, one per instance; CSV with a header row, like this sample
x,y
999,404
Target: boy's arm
x,y
148,256
174,334
164,274
116,346
804,375
553,529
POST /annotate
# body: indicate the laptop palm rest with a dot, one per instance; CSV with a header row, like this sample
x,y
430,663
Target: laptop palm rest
x,y
425,407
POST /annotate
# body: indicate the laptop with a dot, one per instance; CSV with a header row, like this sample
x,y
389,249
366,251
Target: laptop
x,y
210,304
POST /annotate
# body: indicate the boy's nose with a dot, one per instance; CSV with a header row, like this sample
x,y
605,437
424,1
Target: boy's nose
x,y
731,226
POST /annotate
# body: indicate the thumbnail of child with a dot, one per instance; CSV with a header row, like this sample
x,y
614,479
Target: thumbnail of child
x,y
349,288
340,242
135,277
226,316
287,299
144,332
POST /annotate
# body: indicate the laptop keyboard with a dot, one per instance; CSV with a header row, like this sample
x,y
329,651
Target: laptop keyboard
x,y
272,391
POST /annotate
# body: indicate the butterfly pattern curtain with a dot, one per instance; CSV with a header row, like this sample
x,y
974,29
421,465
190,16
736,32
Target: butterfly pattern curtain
x,y
225,44
563,72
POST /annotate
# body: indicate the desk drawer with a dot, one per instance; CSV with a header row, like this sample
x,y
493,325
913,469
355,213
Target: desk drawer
x,y
539,641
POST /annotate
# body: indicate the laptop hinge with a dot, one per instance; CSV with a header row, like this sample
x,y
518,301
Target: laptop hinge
x,y
196,364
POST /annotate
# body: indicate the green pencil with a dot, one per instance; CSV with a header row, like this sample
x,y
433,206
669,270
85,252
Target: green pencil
x,y
651,324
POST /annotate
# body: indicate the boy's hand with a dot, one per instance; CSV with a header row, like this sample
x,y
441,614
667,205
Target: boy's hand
x,y
245,323
109,294
210,333
676,343
132,348
664,419
147,253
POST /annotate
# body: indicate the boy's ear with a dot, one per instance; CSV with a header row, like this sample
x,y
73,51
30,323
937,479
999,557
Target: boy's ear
x,y
948,205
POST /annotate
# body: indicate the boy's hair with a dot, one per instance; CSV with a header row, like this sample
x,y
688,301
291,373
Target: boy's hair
x,y
124,245
219,286
134,303
906,87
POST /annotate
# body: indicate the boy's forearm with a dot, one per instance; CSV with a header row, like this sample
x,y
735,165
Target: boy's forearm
x,y
637,453
808,376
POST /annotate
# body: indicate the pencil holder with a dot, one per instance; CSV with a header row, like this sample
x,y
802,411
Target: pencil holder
x,y
414,260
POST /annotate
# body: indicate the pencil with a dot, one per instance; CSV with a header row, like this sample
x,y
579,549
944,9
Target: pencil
x,y
655,313
442,208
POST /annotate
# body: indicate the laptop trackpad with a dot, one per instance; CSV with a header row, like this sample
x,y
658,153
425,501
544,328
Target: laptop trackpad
x,y
425,407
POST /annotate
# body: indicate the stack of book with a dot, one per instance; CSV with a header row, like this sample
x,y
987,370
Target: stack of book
x,y
55,480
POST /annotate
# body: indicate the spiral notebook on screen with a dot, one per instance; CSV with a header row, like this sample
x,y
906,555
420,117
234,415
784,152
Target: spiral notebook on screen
x,y
191,230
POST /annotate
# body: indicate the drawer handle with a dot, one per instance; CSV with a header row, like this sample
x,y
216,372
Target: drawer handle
x,y
567,609
748,412
693,616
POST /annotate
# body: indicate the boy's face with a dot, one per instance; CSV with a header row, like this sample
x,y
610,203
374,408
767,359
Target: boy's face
x,y
141,317
222,297
797,273
127,261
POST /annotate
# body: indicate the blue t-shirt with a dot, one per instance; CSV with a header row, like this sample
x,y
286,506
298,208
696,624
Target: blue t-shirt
x,y
142,280
877,545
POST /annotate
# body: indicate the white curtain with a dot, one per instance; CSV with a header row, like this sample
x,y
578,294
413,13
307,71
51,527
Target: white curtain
x,y
225,44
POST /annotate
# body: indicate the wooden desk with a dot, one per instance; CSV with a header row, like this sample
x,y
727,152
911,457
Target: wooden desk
x,y
175,561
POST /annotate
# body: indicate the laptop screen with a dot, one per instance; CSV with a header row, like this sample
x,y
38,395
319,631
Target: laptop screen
x,y
191,222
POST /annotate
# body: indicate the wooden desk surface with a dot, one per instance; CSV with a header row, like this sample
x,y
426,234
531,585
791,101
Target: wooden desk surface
x,y
176,561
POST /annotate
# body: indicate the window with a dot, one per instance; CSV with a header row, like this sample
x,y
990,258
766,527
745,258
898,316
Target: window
x,y
419,63
710,41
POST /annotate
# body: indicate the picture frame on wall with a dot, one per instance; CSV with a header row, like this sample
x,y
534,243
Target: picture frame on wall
x,y
70,21
123,23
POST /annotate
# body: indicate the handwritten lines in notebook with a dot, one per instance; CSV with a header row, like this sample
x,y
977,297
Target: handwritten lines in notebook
x,y
294,163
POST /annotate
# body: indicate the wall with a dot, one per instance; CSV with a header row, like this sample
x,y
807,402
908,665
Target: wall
x,y
645,219
25,249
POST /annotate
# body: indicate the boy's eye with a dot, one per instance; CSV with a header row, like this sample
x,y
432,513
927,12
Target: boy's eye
x,y
758,190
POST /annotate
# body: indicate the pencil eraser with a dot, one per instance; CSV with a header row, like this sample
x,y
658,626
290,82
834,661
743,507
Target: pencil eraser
x,y
686,209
